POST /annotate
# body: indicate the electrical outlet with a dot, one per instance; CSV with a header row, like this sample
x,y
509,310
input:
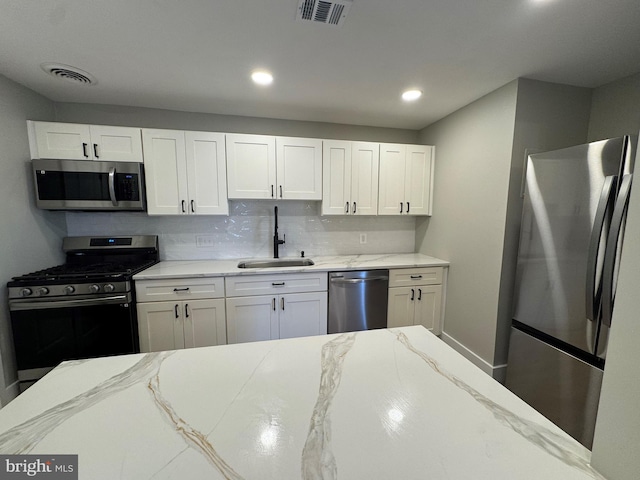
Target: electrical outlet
x,y
363,238
204,241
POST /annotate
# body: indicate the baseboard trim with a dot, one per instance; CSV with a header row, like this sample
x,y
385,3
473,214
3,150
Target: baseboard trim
x,y
498,372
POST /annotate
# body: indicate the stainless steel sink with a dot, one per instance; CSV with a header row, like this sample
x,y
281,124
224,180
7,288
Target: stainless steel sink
x,y
276,262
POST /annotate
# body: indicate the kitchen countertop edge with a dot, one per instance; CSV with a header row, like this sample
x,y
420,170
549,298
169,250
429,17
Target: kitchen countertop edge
x,y
176,269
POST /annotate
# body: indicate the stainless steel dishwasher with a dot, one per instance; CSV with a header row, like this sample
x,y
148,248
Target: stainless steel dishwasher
x,y
358,300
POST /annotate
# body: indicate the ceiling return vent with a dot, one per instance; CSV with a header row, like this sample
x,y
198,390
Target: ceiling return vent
x,y
324,12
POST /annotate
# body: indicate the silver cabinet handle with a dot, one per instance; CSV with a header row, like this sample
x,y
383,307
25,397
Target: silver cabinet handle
x,y
112,186
606,197
608,269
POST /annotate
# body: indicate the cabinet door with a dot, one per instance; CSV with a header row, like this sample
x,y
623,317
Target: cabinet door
x,y
160,326
336,177
392,178
428,304
299,168
419,179
401,308
206,173
303,314
251,166
165,172
69,141
250,319
364,178
116,144
204,323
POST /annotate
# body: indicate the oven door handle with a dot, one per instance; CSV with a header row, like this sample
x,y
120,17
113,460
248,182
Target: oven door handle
x,y
46,303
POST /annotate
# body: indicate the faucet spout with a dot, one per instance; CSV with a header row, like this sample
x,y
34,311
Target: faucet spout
x,y
276,239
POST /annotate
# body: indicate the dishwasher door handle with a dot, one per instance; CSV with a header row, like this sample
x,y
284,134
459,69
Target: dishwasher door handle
x,y
339,280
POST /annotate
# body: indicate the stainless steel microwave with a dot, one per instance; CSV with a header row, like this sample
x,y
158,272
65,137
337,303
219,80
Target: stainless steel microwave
x,y
88,185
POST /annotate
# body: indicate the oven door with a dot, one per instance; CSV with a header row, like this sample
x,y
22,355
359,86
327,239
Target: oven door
x,y
47,332
88,185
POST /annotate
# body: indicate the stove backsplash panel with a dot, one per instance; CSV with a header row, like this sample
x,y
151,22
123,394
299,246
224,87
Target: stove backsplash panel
x,y
248,231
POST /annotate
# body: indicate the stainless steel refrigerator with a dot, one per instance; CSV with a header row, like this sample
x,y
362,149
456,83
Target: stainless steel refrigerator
x,y
572,226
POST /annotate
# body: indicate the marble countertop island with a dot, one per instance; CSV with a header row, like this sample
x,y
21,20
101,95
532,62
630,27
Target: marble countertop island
x,y
211,268
381,404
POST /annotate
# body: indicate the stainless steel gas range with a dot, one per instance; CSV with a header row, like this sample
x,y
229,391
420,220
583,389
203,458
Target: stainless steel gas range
x,y
82,309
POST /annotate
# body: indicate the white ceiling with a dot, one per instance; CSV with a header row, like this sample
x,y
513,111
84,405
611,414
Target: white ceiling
x,y
196,55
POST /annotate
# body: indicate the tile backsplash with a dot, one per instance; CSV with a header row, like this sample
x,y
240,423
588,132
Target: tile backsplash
x,y
248,231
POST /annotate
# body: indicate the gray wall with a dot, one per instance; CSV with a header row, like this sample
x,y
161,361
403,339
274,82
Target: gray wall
x,y
616,109
30,239
473,161
156,118
480,152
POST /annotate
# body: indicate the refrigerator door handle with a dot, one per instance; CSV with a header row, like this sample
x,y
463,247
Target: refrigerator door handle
x,y
608,270
592,296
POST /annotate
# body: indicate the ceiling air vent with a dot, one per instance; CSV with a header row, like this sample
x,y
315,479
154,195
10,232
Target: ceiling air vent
x,y
324,12
69,73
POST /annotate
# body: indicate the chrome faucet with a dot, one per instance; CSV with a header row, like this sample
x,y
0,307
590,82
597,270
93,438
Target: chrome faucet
x,y
276,241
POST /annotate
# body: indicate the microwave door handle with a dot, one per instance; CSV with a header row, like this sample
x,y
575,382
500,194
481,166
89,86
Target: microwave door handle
x,y
112,186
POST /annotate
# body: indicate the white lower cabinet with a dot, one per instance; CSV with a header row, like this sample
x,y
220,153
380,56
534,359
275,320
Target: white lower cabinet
x,y
175,325
415,298
288,305
181,313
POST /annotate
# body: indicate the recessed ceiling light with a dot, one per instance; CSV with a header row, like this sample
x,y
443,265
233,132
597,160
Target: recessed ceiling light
x,y
261,77
411,95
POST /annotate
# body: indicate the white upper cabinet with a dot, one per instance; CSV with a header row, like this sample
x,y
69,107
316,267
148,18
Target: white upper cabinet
x,y
350,178
185,173
406,179
73,141
260,166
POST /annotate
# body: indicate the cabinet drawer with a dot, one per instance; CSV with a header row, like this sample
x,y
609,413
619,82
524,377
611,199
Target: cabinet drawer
x,y
404,277
179,289
245,285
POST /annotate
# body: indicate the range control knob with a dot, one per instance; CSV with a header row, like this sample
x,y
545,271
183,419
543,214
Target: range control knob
x,y
69,289
25,292
94,288
109,288
43,291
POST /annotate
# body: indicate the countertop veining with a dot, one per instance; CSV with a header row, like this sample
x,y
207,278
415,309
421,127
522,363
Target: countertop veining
x,y
212,268
378,404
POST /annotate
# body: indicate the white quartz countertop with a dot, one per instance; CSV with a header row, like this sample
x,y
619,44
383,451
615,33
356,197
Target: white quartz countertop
x,y
381,404
212,268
